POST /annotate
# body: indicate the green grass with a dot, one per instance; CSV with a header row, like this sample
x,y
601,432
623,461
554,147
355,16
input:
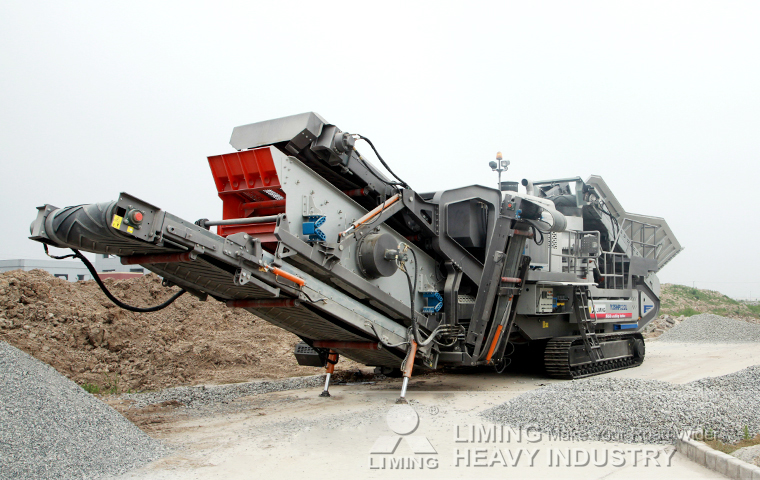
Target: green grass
x,y
732,447
683,300
707,296
710,438
686,312
109,386
91,388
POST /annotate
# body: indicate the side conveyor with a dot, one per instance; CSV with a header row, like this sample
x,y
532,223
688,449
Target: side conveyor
x,y
216,272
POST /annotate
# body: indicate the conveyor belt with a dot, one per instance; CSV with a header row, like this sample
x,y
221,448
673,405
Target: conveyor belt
x,y
86,227
304,321
201,275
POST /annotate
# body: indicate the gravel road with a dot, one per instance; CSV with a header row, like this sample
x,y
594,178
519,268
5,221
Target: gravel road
x,y
218,394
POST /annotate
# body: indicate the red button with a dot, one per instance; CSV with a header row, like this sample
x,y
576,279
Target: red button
x,y
138,216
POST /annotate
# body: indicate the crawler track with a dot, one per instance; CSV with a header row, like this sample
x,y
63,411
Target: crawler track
x,y
557,358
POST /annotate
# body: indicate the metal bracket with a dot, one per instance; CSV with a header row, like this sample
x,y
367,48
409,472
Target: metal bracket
x,y
315,256
242,276
283,251
507,291
423,213
309,208
331,252
180,231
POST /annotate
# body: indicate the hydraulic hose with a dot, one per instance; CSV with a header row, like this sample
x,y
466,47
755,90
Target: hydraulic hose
x,y
116,301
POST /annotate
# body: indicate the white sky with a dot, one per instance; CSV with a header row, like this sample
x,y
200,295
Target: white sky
x,y
662,99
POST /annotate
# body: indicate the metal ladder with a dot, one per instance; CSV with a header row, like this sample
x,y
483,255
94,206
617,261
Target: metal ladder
x,y
586,326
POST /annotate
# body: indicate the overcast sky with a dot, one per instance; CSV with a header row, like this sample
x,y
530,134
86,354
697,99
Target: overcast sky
x,y
662,99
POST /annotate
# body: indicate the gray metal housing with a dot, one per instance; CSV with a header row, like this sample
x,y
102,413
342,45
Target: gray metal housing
x,y
562,262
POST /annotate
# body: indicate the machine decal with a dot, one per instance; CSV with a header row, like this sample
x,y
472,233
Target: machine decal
x,y
611,315
116,222
600,311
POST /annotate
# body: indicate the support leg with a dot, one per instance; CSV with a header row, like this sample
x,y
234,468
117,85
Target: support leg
x,y
408,371
332,359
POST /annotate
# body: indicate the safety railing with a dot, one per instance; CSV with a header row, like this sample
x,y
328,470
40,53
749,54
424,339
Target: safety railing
x,y
612,268
575,252
639,237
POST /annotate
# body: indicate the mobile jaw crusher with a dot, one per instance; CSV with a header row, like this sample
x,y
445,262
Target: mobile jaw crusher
x,y
319,241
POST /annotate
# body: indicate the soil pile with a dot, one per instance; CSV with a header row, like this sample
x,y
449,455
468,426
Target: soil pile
x,y
77,330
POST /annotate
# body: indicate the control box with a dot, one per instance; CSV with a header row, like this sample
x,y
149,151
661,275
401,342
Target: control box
x,y
545,300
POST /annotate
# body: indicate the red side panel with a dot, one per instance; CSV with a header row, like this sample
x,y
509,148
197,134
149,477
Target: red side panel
x,y
248,185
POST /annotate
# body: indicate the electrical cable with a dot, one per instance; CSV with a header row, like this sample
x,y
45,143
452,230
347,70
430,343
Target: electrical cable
x,y
116,301
389,345
536,230
505,357
415,325
412,291
507,362
606,210
401,182
372,171
63,257
446,345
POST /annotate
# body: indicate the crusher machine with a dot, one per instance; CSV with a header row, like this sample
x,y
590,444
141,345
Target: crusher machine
x,y
317,240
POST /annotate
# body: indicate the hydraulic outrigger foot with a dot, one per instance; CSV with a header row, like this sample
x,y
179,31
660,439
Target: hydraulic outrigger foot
x,y
407,368
332,359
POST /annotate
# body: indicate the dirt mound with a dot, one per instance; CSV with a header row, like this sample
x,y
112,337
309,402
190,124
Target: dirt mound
x,y
77,330
680,300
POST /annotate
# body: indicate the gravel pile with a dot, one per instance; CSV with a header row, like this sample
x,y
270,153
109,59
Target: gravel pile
x,y
709,328
660,325
194,397
50,428
749,454
638,411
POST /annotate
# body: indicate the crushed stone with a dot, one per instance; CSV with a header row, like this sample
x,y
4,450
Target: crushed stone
x,y
50,428
636,410
710,328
